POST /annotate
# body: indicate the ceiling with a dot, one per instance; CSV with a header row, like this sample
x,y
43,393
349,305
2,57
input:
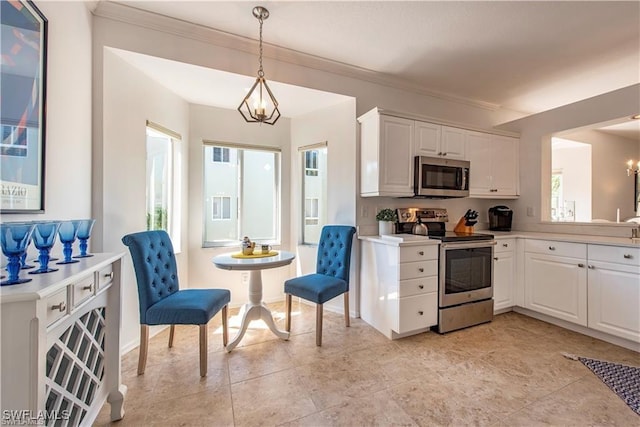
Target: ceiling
x,y
524,56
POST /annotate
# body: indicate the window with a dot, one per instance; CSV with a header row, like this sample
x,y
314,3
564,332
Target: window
x,y
161,164
220,155
314,191
311,163
311,212
241,194
221,208
556,195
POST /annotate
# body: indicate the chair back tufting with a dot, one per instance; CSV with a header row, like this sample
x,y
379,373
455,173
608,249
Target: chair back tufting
x,y
334,251
155,265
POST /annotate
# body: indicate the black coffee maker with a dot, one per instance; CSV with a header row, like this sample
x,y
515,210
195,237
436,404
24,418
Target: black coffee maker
x,y
500,218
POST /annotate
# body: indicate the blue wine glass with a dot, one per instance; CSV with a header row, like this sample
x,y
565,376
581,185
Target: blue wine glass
x,y
84,232
67,233
44,236
23,258
13,239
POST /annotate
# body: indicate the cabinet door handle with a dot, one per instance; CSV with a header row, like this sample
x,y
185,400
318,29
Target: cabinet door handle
x,y
62,307
493,190
421,270
421,253
552,248
444,154
88,288
505,245
495,258
420,286
421,312
439,153
628,256
581,265
591,267
108,275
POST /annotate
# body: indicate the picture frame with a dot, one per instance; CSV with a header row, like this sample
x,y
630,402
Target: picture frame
x,y
23,110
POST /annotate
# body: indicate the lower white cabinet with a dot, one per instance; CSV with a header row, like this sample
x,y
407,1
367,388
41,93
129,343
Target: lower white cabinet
x,y
60,350
504,274
556,279
614,291
399,287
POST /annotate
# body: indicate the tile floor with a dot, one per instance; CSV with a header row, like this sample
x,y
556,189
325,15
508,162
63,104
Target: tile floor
x,y
505,373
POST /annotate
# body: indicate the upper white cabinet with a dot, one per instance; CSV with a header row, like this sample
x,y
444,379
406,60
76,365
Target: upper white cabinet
x,y
434,140
494,165
386,152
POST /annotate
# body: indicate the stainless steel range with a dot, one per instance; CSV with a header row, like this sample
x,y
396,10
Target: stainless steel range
x,y
465,289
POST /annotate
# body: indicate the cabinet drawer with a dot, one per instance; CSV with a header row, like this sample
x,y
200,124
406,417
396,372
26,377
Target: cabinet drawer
x,y
418,286
550,247
505,245
417,312
105,276
418,253
57,306
412,270
83,289
617,254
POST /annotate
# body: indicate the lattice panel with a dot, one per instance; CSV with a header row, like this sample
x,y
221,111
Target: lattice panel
x,y
75,368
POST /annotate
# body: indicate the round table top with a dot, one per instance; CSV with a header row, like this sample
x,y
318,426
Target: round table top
x,y
226,262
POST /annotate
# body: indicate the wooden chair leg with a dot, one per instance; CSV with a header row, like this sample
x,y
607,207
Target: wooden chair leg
x,y
347,322
288,310
171,332
203,350
319,324
144,345
225,333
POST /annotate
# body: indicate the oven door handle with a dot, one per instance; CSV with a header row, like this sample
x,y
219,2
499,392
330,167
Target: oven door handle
x,y
468,245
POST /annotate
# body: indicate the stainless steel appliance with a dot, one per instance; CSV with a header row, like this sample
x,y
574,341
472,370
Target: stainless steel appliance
x,y
465,273
500,218
440,178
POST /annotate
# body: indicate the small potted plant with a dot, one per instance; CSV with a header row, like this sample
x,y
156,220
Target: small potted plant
x,y
386,219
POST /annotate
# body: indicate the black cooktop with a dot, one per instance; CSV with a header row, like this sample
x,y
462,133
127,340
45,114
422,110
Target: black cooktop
x,y
451,236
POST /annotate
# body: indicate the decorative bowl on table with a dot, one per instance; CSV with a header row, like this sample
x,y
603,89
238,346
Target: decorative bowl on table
x,y
67,232
14,238
84,232
44,236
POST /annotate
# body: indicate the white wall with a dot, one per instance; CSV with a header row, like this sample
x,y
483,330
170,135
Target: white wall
x,y
130,99
535,153
337,126
218,124
68,114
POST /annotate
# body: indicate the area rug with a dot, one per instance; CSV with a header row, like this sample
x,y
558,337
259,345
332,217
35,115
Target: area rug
x,y
622,379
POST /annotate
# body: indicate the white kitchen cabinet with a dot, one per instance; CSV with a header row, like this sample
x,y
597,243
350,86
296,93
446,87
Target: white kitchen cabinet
x,y
386,155
433,140
614,291
494,165
504,274
399,287
61,344
556,279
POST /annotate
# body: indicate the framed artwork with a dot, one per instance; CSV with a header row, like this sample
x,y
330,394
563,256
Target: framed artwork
x,y
22,111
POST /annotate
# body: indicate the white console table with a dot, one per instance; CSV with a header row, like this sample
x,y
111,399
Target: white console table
x,y
60,344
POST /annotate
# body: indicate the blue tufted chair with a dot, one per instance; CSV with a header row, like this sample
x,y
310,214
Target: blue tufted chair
x,y
161,300
331,277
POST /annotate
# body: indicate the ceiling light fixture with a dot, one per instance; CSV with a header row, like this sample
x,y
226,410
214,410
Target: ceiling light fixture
x,y
260,96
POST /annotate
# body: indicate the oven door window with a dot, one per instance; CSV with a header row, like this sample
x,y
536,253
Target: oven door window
x,y
467,269
441,177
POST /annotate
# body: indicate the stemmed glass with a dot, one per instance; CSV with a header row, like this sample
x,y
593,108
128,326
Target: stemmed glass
x,y
84,232
44,236
67,233
23,258
13,239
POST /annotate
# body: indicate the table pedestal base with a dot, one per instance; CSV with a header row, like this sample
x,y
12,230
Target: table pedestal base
x,y
255,310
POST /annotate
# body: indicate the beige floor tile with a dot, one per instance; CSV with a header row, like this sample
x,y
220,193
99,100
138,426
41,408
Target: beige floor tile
x,y
211,407
259,359
271,400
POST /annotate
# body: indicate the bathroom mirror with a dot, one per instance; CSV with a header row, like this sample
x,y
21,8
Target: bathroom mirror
x,y
590,180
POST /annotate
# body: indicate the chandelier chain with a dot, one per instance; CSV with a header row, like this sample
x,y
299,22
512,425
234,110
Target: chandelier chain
x,y
260,71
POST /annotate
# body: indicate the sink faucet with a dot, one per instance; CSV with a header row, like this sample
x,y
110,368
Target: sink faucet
x,y
635,232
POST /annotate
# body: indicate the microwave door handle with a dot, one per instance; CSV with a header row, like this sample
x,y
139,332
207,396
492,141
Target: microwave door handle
x,y
463,172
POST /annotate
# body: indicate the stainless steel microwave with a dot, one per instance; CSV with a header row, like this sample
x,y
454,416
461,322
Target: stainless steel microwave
x,y
440,178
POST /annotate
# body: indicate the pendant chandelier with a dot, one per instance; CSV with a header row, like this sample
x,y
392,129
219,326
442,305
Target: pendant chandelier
x,y
260,106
